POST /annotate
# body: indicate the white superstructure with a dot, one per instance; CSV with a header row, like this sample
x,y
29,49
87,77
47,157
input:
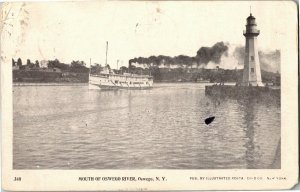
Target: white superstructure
x,y
118,81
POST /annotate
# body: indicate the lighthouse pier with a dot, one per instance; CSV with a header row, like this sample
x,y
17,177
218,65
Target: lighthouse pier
x,y
242,92
251,84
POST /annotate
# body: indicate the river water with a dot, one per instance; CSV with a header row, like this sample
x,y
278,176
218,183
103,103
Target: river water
x,y
72,127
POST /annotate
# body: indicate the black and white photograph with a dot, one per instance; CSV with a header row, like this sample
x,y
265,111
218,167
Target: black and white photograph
x,y
147,85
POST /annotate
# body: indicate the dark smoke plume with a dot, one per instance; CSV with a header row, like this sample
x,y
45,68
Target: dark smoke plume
x,y
269,61
225,55
214,53
204,56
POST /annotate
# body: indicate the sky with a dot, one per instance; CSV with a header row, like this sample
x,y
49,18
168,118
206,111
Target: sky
x,y
79,30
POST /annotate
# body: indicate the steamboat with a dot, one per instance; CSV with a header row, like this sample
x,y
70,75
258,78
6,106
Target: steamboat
x,y
107,79
119,81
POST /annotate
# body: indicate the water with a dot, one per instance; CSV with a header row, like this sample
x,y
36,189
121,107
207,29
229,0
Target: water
x,y
71,127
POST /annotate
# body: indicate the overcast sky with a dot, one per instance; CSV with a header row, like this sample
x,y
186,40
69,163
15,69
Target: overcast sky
x,y
78,30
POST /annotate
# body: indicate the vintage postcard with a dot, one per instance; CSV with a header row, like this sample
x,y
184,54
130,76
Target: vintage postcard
x,y
149,95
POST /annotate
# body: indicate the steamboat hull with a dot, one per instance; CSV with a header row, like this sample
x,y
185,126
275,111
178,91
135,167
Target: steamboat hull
x,y
115,81
107,87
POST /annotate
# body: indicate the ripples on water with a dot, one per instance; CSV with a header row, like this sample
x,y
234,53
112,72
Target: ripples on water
x,y
71,127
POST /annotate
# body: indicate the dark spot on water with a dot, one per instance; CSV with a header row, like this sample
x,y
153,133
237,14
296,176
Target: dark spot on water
x,y
209,120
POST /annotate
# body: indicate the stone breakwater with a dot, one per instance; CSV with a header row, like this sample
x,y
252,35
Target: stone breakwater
x,y
240,92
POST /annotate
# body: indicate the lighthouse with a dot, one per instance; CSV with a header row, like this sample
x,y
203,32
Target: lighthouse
x,y
252,73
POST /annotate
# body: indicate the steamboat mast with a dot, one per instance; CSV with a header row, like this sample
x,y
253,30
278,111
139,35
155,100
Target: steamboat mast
x,y
106,53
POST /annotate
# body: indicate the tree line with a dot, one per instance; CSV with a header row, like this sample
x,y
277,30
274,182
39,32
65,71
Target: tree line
x,y
75,66
28,63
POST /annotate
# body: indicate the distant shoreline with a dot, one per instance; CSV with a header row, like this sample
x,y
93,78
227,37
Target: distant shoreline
x,y
18,84
48,84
